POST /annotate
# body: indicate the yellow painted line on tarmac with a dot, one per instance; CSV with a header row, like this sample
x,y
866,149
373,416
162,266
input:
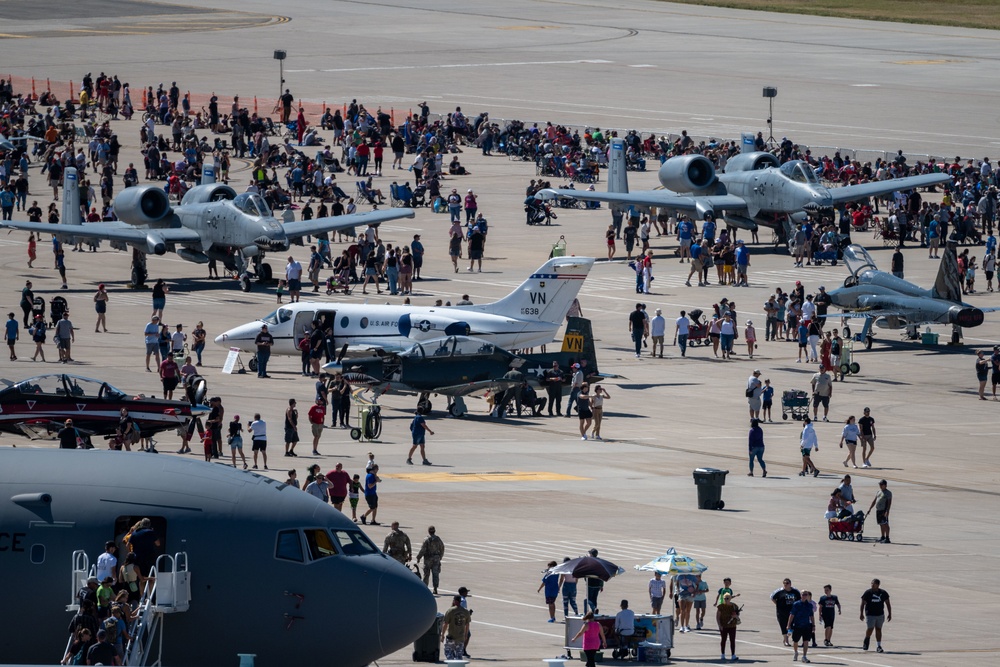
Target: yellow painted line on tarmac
x,y
492,476
5,35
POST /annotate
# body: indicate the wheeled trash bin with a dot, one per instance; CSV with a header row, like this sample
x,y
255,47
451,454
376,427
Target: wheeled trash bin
x,y
710,482
427,648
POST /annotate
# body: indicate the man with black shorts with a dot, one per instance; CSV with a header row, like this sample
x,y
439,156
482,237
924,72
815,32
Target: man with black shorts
x,y
995,363
801,625
371,496
868,436
882,504
258,433
783,599
829,609
339,481
875,604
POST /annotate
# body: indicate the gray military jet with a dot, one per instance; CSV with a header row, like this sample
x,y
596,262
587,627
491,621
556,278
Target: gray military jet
x,y
259,565
890,302
754,190
212,221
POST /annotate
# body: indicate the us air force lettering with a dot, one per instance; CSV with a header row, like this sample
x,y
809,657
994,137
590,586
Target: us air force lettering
x,y
245,564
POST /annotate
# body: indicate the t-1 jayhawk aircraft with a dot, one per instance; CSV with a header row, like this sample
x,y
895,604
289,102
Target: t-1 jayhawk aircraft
x,y
529,316
754,189
893,303
39,407
212,221
266,569
461,366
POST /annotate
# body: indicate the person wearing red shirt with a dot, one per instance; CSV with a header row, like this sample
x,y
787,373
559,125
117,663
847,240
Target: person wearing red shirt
x,y
317,415
377,150
339,480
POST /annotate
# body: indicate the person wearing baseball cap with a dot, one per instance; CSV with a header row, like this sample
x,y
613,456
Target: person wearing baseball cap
x,y
463,593
754,389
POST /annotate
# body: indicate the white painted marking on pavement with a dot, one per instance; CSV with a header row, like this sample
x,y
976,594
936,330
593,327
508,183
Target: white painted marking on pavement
x,y
462,65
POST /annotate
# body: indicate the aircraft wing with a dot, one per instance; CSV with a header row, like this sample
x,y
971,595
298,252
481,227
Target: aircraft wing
x,y
476,388
864,190
44,429
112,231
332,224
657,198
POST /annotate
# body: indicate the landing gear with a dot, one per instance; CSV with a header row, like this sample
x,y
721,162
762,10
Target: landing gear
x,y
956,335
424,404
252,364
458,407
139,274
262,269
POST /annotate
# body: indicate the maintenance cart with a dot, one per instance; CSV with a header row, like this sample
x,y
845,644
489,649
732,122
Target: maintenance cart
x,y
795,403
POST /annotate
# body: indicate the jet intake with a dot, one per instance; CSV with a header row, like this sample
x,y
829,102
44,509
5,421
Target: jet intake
x,y
142,205
751,162
688,173
204,194
965,317
155,245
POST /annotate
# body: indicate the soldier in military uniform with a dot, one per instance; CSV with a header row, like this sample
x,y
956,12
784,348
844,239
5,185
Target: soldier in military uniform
x,y
431,551
397,544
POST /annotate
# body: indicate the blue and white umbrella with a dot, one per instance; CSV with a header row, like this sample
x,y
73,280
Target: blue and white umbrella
x,y
672,563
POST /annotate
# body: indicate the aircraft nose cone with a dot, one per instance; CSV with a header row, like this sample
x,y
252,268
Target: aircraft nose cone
x,y
333,367
406,610
221,339
200,410
269,243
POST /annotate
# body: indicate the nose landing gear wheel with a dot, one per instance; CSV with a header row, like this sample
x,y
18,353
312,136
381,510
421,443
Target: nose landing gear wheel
x,y
252,364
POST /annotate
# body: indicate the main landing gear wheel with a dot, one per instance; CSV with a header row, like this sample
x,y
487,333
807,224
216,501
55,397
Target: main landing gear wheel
x,y
265,273
868,342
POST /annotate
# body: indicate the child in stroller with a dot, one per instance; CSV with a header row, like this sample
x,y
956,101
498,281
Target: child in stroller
x,y
340,281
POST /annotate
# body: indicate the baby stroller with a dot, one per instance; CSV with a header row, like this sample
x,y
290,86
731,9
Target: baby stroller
x,y
697,330
37,308
849,527
57,307
339,282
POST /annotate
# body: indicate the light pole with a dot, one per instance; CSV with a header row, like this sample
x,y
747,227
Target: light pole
x,y
770,92
280,57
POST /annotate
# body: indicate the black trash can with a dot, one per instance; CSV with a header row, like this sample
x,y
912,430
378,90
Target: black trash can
x,y
710,482
427,648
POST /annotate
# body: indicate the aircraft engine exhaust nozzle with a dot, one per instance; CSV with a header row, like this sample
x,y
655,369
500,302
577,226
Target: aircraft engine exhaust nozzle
x,y
155,244
689,173
965,317
142,205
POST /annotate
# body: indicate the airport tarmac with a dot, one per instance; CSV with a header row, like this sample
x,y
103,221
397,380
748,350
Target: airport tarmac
x,y
507,497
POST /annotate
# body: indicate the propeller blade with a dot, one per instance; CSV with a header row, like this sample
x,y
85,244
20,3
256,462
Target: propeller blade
x,y
343,353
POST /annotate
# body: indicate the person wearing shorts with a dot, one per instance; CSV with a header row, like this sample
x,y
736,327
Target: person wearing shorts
x,y
874,604
371,496
801,625
258,434
550,582
829,607
235,438
354,495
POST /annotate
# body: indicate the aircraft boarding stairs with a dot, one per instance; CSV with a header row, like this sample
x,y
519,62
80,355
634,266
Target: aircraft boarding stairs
x,y
170,594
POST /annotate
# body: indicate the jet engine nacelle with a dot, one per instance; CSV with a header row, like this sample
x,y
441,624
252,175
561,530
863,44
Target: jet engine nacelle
x,y
203,194
155,245
687,173
424,327
142,205
752,162
965,317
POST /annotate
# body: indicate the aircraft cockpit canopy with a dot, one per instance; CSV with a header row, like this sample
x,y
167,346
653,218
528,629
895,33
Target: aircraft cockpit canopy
x,y
800,172
69,386
313,544
452,346
858,261
279,316
253,204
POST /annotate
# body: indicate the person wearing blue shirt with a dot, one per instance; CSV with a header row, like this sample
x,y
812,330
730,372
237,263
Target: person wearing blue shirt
x,y
801,624
418,428
767,397
742,262
756,446
685,231
696,264
708,231
11,334
7,203
550,582
371,496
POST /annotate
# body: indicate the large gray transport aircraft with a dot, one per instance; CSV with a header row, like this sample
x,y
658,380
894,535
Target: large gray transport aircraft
x,y
245,564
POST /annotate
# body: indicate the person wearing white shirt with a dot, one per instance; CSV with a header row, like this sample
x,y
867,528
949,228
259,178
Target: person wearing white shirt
x,y
808,308
624,626
807,443
657,591
681,334
107,563
657,329
258,434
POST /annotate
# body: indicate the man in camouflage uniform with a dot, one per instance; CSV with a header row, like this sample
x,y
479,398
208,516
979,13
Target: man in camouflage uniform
x,y
431,551
397,544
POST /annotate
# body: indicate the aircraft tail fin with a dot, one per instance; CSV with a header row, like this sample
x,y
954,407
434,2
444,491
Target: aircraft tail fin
x,y
548,293
208,171
579,340
617,173
947,285
71,214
